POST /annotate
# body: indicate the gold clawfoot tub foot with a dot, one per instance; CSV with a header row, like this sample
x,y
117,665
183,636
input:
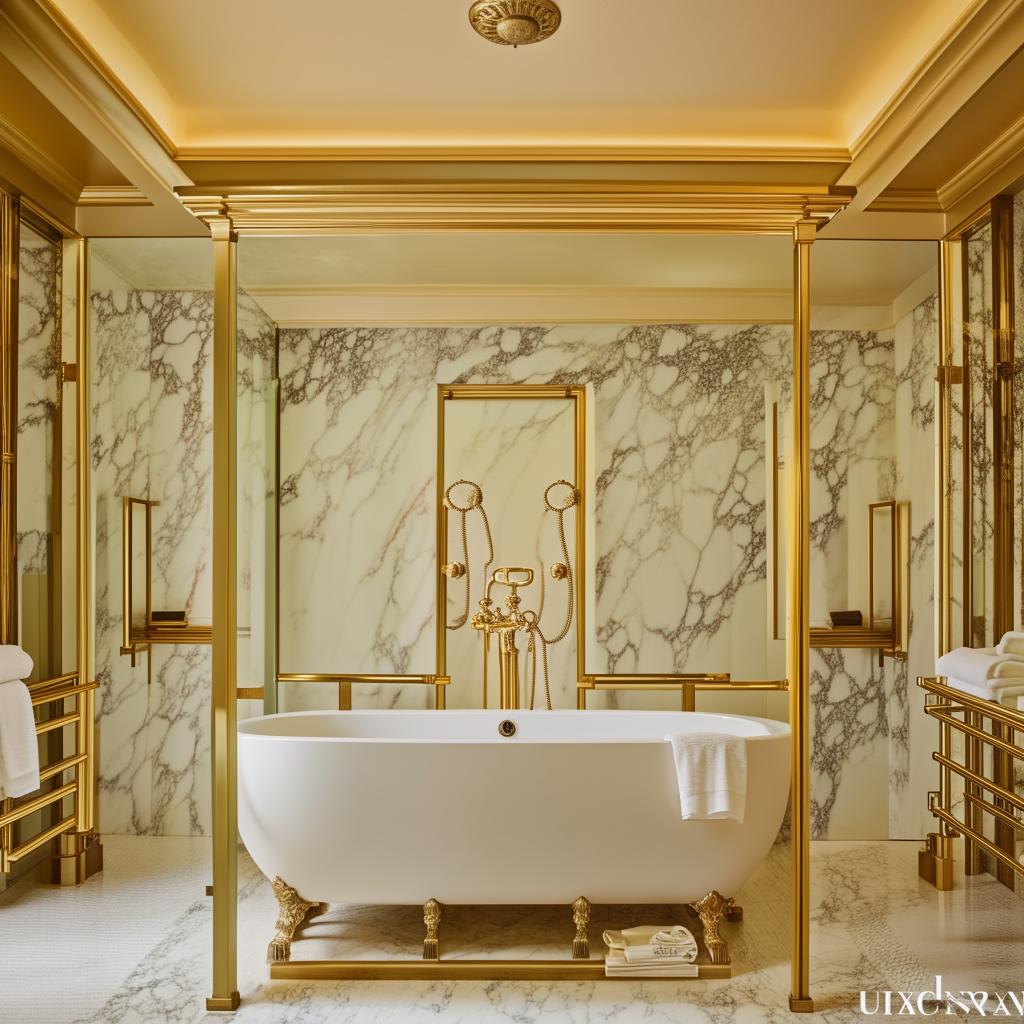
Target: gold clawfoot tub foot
x,y
711,909
292,910
581,918
432,919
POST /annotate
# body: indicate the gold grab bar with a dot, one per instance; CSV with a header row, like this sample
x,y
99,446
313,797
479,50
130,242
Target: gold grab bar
x,y
688,683
344,681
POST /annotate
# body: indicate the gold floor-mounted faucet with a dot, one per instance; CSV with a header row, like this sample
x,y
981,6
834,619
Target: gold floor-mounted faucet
x,y
505,622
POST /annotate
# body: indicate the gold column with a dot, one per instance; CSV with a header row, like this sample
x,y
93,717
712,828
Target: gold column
x,y
943,478
580,469
225,622
441,547
798,632
1003,444
9,244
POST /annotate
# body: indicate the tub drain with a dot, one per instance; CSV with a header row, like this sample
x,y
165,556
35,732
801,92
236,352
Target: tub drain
x,y
507,728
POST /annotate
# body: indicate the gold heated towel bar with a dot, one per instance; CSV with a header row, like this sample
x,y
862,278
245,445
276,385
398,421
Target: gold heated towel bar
x,y
1006,807
52,693
344,681
687,683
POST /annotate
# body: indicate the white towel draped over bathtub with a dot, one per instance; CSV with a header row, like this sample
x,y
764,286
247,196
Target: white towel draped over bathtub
x,y
711,770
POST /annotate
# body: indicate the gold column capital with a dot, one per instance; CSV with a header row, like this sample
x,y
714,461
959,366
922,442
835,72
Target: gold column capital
x,y
806,231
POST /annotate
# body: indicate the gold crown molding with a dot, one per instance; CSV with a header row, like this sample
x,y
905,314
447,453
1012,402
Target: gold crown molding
x,y
975,47
493,206
987,165
907,200
624,152
113,195
89,55
39,161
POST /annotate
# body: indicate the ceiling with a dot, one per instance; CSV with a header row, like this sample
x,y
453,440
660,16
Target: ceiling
x,y
245,73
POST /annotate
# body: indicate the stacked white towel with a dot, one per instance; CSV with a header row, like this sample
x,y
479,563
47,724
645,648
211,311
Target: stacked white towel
x,y
711,772
651,951
993,673
19,751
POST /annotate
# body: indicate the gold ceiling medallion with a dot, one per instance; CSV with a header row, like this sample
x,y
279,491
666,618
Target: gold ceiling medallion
x,y
515,22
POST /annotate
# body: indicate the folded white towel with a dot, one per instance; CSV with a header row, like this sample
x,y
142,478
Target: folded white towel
x,y
1003,691
14,663
19,751
1012,644
653,944
980,667
711,771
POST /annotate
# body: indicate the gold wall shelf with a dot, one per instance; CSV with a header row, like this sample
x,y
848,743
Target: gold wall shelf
x,y
157,627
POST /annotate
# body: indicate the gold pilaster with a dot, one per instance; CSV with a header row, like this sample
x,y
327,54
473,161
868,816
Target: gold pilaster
x,y
225,621
798,601
9,244
943,482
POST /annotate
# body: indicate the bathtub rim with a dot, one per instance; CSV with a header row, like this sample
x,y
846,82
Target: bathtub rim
x,y
775,729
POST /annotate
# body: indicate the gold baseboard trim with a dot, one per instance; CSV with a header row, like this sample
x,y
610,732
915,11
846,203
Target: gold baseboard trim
x,y
80,857
802,1004
463,970
223,1004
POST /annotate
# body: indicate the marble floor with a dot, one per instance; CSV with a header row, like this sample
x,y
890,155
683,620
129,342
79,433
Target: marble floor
x,y
132,947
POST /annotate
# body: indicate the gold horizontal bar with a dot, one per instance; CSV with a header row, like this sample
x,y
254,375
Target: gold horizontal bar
x,y
510,392
36,804
948,714
659,677
851,636
746,684
456,970
62,693
996,812
979,780
59,767
171,635
988,846
989,708
42,839
360,677
250,693
57,723
44,684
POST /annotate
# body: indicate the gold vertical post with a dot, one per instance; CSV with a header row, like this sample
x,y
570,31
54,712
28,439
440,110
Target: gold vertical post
x,y
943,481
798,632
1003,363
580,453
9,246
441,547
225,621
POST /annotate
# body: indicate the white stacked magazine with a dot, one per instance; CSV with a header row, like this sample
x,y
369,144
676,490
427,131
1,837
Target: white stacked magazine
x,y
651,951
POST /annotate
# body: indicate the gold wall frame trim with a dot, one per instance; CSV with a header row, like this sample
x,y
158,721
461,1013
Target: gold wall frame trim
x,y
344,681
719,208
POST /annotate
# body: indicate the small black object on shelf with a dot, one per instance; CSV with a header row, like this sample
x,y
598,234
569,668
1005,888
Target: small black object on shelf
x,y
846,618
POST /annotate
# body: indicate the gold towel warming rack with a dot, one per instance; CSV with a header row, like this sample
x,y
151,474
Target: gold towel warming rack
x,y
55,817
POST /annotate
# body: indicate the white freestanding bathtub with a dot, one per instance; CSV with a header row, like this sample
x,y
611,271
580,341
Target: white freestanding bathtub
x,y
400,807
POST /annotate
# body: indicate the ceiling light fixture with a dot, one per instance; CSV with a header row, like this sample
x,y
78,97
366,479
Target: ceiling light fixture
x,y
515,22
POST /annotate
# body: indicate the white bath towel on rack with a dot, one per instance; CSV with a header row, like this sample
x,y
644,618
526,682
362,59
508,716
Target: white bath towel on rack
x,y
983,666
14,663
1012,644
19,751
1003,691
711,772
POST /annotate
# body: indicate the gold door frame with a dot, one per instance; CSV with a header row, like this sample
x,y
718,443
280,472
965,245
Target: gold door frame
x,y
79,853
572,206
954,299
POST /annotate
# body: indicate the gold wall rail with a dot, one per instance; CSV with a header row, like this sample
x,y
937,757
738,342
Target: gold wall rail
x,y
344,681
136,639
51,693
687,683
1005,737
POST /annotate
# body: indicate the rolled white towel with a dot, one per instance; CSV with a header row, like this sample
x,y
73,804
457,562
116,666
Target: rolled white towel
x,y
1012,644
980,667
14,663
19,751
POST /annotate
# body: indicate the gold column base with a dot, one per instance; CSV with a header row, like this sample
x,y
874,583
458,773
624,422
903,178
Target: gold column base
x,y
226,1004
80,857
432,920
801,1004
292,911
581,918
935,861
